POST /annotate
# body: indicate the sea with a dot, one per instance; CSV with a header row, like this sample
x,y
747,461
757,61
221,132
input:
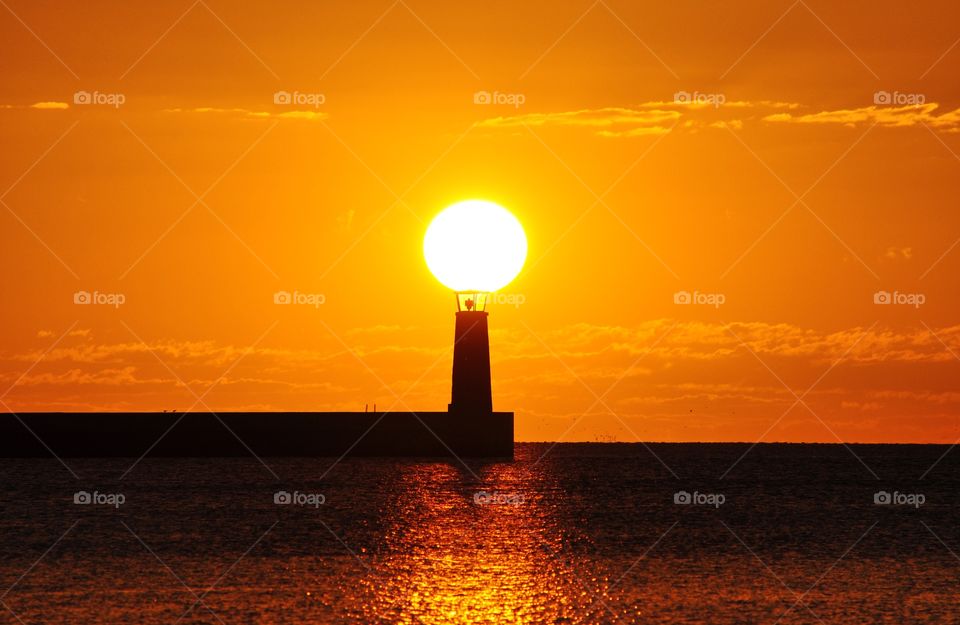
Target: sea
x,y
565,533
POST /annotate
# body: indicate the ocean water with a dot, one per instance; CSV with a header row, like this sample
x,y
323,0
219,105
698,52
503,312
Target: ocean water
x,y
571,533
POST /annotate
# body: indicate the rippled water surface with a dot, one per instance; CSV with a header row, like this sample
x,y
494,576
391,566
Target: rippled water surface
x,y
575,533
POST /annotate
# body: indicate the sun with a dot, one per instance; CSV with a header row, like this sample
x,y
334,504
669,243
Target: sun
x,y
475,245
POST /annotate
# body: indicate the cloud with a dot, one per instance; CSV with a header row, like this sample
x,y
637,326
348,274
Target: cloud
x,y
84,371
660,117
885,116
301,115
635,132
644,119
602,347
697,341
41,106
933,397
895,253
250,114
123,376
661,376
701,380
50,105
708,105
610,120
193,352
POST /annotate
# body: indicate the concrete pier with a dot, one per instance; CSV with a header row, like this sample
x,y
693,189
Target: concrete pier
x,y
228,434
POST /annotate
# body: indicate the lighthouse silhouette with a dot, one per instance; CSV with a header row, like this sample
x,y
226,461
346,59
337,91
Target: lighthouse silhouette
x,y
471,392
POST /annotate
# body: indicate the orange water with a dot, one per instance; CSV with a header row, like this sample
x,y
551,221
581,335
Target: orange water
x,y
585,534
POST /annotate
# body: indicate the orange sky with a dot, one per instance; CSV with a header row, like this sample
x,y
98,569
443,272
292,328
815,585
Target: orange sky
x,y
787,161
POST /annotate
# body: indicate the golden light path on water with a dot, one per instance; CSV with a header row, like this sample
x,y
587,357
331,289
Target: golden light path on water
x,y
498,569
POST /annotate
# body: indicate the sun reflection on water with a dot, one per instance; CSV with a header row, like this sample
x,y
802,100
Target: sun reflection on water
x,y
462,552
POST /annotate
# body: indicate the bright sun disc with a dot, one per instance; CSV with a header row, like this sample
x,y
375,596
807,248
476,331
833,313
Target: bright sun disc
x,y
475,245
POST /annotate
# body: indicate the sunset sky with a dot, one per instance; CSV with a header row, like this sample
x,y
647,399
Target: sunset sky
x,y
785,162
